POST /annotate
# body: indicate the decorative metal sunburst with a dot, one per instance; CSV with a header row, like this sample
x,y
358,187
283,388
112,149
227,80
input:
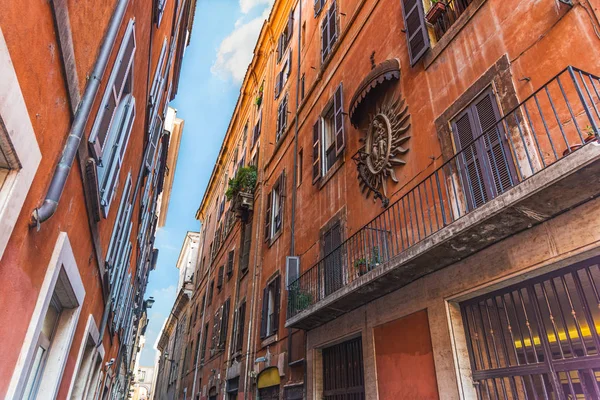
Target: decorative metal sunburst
x,y
383,147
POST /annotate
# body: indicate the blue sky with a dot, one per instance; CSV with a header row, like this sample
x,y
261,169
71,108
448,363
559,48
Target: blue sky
x,y
223,38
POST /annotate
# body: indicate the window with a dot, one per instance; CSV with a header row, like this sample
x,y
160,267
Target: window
x,y
485,166
329,31
210,292
121,232
224,324
537,338
257,128
246,238
274,214
440,17
270,309
282,111
158,82
299,167
160,9
416,29
302,87
204,341
319,4
230,263
334,274
20,152
88,364
220,278
328,136
303,34
292,270
114,121
197,349
285,37
52,327
342,378
237,336
155,135
283,75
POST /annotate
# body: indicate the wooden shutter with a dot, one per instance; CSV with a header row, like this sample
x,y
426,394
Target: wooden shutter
x,y
265,311
220,278
338,106
289,65
281,184
471,172
318,7
240,329
224,324
278,85
210,292
290,27
416,29
332,16
230,263
316,151
153,142
324,38
268,216
121,131
277,290
499,160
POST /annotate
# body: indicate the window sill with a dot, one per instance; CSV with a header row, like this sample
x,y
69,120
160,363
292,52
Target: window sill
x,y
454,30
332,171
271,241
269,340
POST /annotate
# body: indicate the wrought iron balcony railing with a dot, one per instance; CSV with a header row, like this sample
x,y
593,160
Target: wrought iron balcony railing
x,y
559,118
443,15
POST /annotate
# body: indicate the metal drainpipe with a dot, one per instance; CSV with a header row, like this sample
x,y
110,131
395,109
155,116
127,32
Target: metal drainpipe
x,y
59,179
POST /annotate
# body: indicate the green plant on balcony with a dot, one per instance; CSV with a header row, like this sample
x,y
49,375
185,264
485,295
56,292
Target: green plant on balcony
x,y
364,264
259,97
241,191
303,300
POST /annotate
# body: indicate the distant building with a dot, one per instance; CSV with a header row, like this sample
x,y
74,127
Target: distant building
x,y
84,90
143,383
174,127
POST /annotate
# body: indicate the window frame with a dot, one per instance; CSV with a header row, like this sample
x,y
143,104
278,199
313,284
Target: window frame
x,y
62,271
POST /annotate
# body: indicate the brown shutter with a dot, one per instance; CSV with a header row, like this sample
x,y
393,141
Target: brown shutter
x,y
224,324
277,288
316,151
324,38
416,30
338,106
268,216
247,239
289,64
284,113
471,172
240,331
230,263
499,160
278,85
331,16
290,29
281,199
264,316
220,278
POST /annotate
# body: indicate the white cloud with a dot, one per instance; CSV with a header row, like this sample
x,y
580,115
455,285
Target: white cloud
x,y
247,5
236,50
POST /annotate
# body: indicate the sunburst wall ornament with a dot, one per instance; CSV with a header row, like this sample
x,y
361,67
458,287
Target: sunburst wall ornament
x,y
383,148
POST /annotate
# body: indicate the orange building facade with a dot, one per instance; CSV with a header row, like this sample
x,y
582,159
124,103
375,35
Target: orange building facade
x,y
423,223
85,88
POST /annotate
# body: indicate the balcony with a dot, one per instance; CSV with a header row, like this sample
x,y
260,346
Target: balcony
x,y
443,14
536,162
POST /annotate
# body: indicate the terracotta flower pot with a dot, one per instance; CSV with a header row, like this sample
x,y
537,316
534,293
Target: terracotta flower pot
x,y
435,12
577,146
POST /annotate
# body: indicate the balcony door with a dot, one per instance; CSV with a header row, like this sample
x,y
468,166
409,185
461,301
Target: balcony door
x,y
333,274
486,167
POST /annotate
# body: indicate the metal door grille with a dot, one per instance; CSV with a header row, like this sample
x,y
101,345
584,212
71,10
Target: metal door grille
x,y
538,339
343,377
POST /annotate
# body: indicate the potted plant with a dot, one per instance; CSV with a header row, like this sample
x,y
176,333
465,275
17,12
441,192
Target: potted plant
x,y
438,8
361,266
588,136
241,190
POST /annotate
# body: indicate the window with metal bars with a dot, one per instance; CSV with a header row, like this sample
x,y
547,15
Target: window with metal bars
x,y
343,375
539,338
